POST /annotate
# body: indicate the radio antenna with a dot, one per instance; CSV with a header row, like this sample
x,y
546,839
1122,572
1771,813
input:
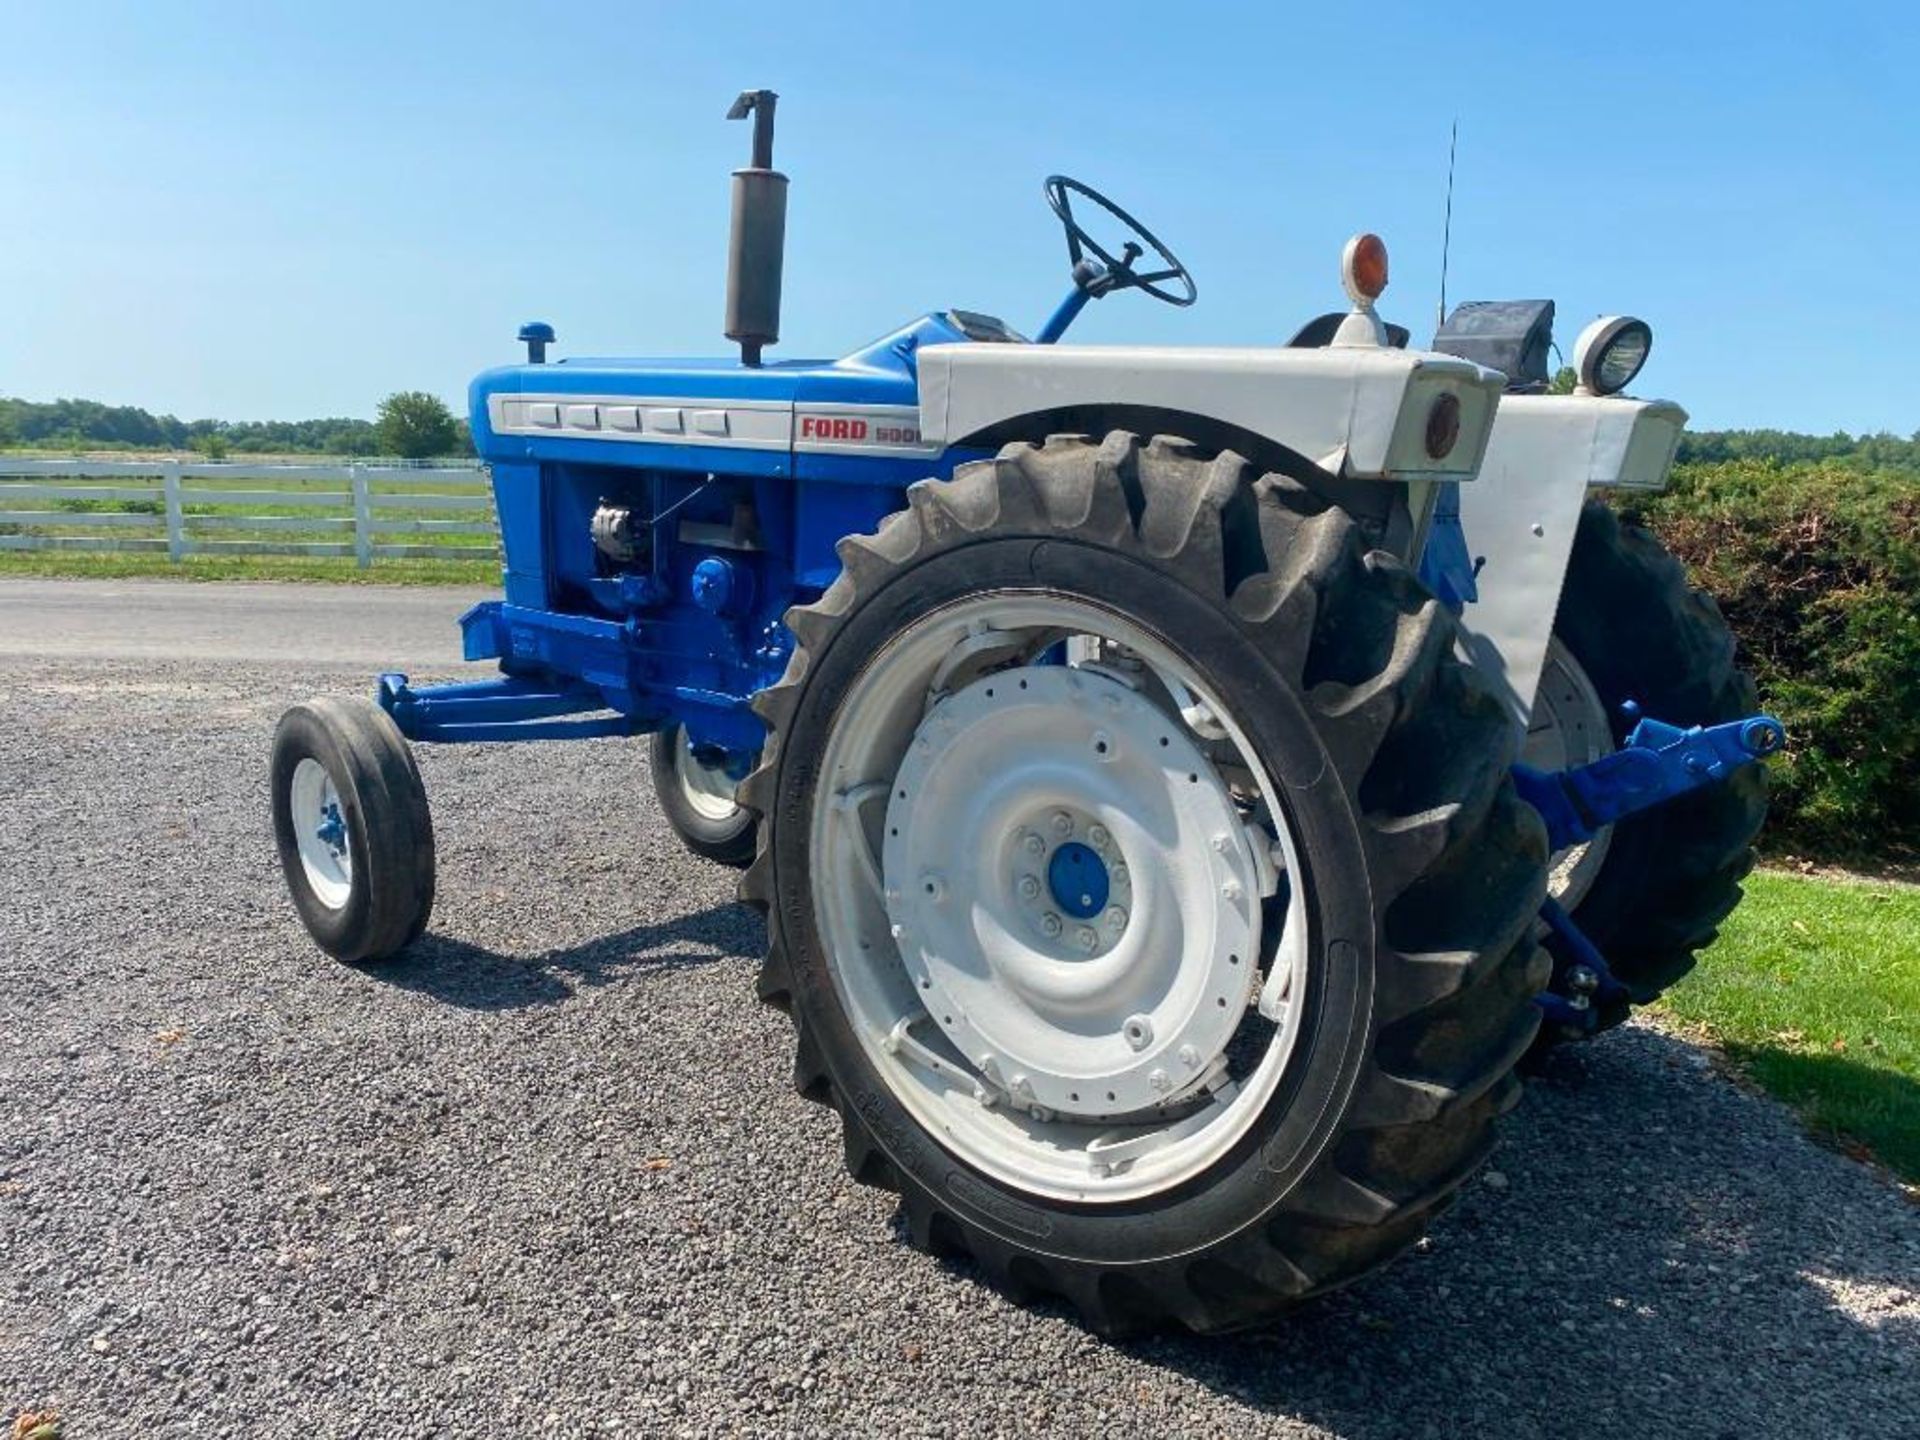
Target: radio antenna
x,y
1446,233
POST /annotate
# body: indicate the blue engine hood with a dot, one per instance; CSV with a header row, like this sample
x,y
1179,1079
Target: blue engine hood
x,y
883,373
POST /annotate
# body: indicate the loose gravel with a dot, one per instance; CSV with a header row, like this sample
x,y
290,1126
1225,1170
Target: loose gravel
x,y
549,1177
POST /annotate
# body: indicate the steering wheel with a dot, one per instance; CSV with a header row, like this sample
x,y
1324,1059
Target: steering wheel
x,y
1120,274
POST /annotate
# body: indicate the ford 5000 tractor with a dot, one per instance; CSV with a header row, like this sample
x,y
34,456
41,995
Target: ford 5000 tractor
x,y
1182,785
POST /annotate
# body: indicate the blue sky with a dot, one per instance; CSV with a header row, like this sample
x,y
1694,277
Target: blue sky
x,y
255,211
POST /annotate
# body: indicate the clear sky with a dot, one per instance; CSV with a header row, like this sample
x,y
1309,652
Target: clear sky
x,y
264,211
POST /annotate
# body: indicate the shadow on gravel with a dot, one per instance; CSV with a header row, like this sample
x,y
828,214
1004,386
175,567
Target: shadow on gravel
x,y
1687,1272
476,978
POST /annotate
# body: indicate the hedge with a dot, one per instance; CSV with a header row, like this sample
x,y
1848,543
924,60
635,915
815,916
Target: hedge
x,y
1817,568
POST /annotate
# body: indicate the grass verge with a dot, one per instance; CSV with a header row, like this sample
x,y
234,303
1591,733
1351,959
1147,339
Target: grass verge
x,y
1813,990
329,569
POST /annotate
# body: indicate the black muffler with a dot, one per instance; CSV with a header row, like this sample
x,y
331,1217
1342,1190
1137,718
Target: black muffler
x,y
757,247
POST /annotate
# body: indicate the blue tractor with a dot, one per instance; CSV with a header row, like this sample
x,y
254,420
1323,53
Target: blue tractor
x,y
1182,784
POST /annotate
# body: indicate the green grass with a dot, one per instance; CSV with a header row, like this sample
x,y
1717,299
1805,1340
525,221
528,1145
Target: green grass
x,y
329,569
1813,989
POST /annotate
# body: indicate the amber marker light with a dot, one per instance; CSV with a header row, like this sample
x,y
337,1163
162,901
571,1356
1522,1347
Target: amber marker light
x,y
1363,268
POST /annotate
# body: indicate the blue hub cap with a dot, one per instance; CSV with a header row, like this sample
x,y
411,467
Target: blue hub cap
x,y
1078,878
333,829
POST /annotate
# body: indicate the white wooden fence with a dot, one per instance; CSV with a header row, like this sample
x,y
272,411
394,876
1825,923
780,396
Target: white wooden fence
x,y
186,507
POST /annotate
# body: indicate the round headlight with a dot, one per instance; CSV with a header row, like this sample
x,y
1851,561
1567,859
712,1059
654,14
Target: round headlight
x,y
1610,352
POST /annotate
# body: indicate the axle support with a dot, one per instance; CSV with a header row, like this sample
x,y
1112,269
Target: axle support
x,y
1659,762
508,708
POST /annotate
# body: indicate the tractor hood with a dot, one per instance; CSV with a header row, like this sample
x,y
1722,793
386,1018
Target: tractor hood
x,y
521,412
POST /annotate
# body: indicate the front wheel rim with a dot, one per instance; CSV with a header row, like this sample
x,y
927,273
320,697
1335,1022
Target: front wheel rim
x,y
1041,891
707,789
320,833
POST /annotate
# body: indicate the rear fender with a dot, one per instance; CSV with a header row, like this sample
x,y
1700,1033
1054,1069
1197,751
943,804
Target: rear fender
x,y
1545,454
1357,413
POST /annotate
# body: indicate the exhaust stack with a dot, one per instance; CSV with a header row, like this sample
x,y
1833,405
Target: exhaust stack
x,y
757,245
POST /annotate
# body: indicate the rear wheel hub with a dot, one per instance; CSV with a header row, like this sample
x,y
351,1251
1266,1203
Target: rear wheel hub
x,y
1072,890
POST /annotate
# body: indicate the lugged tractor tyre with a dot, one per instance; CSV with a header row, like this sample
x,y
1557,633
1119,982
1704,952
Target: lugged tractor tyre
x,y
382,903
725,837
1424,873
1641,633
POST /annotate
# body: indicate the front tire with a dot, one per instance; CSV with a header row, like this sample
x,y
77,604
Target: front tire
x,y
351,824
1285,1147
698,800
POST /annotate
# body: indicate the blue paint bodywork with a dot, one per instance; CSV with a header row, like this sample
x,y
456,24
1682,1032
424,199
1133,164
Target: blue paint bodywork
x,y
690,632
1447,566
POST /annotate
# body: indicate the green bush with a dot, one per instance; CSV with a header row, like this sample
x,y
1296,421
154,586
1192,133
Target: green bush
x,y
1817,567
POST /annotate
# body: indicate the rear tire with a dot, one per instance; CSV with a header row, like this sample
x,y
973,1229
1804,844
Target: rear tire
x,y
351,823
1413,878
697,801
1638,632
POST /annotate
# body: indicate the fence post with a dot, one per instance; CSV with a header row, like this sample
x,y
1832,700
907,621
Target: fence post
x,y
362,517
170,495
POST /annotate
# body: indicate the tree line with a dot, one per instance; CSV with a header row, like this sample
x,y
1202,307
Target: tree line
x,y
411,423
414,423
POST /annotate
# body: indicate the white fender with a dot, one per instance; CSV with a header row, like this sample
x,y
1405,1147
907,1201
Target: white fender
x,y
1546,452
1360,412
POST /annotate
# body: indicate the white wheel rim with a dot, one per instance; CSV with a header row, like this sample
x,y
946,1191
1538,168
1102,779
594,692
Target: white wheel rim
x,y
320,833
943,835
1569,727
706,788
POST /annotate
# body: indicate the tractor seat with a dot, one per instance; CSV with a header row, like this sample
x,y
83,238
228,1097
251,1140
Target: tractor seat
x,y
1317,333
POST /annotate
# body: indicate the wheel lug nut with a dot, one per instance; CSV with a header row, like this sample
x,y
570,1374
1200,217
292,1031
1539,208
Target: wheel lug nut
x,y
1029,888
1118,874
1062,823
1098,837
1231,890
1160,1081
1050,923
1138,1031
1116,919
1189,1057
1086,937
1034,844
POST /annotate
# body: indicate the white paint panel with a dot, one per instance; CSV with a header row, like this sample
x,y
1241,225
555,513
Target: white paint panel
x,y
731,424
1546,450
1354,402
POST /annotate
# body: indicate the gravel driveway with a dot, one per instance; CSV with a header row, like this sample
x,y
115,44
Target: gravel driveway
x,y
550,1178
